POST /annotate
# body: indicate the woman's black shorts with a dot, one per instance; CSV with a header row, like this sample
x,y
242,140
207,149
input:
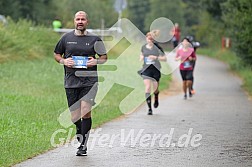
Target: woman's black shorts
x,y
151,73
186,74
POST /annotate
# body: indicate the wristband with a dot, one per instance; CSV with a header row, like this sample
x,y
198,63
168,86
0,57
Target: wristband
x,y
61,61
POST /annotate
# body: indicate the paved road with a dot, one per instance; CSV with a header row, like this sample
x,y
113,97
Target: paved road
x,y
220,113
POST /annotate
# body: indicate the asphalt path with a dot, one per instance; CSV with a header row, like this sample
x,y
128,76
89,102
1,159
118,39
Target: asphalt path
x,y
213,128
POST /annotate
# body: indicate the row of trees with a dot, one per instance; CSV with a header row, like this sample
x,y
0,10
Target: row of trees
x,y
207,20
238,21
230,18
43,12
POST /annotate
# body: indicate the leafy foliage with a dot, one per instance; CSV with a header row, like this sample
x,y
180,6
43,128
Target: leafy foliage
x,y
137,13
238,20
33,10
168,9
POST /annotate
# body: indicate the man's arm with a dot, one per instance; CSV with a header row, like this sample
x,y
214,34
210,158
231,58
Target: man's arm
x,y
102,59
67,62
92,61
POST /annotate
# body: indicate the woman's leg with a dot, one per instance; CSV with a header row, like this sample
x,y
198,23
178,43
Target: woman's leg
x,y
190,81
147,83
193,65
189,86
156,86
185,88
184,85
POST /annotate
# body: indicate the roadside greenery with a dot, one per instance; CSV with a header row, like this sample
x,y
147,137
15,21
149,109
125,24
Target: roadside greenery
x,y
22,41
208,21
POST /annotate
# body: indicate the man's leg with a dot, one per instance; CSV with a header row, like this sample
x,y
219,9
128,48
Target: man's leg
x,y
74,107
86,125
76,119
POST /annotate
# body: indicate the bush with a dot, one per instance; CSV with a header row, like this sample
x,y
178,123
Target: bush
x,y
20,40
237,16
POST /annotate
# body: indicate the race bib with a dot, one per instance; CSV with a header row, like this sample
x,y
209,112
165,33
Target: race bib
x,y
148,61
80,61
187,64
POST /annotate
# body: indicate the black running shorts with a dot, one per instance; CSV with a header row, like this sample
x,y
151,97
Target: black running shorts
x,y
76,95
186,74
151,73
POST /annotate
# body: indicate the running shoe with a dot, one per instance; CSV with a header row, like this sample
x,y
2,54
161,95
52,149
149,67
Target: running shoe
x,y
156,100
193,91
190,94
150,112
156,104
185,96
81,151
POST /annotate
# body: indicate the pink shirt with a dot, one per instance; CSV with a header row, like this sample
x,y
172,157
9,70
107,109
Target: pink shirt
x,y
184,56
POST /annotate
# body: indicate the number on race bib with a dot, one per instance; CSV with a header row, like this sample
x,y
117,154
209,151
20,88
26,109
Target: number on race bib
x,y
80,61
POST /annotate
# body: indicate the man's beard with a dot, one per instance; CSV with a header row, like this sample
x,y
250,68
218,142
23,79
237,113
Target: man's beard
x,y
80,32
80,29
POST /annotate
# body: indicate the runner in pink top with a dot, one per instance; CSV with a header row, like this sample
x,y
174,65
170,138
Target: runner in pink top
x,y
186,55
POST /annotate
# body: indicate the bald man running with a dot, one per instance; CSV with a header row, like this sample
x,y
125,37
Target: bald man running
x,y
77,51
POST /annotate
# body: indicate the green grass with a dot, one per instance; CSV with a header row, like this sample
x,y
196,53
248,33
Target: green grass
x,y
20,40
32,95
235,63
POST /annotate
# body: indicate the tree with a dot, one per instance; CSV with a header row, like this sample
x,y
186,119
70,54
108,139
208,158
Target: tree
x,y
32,10
169,9
9,8
137,12
213,7
192,10
96,9
238,20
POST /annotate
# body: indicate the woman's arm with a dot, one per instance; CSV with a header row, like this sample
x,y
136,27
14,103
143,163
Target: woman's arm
x,y
193,56
141,57
162,58
178,57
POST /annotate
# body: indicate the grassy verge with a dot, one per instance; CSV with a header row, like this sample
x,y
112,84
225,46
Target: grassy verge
x,y
32,95
31,99
235,63
21,41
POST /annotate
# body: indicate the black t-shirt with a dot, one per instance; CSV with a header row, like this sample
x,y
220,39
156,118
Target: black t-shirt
x,y
89,46
156,50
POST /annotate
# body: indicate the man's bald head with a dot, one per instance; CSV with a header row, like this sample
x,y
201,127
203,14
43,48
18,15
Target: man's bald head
x,y
81,13
80,22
